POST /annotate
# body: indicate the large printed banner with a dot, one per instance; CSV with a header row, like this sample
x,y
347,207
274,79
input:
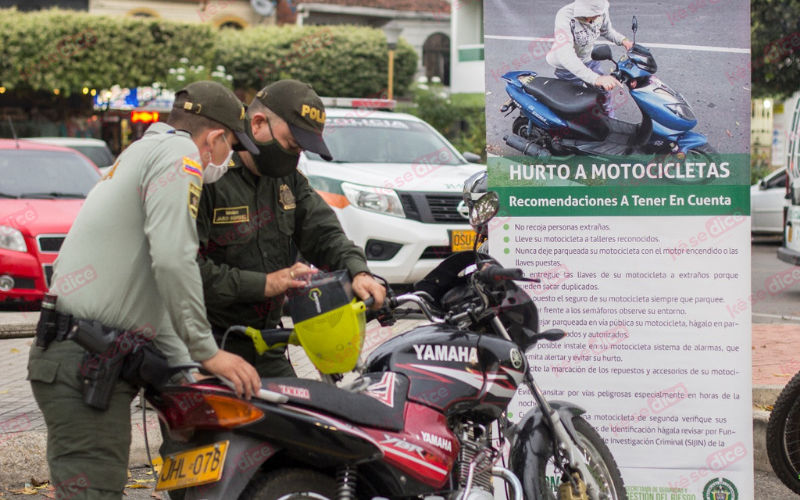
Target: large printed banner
x,y
635,215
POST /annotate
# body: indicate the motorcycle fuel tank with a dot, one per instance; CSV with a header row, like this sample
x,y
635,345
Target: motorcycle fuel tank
x,y
452,370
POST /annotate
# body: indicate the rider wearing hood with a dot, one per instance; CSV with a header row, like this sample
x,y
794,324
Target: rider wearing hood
x,y
583,22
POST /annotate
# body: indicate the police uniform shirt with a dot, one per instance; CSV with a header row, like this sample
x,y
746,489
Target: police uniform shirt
x,y
247,225
136,238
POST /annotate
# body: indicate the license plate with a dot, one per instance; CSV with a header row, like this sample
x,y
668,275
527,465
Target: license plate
x,y
193,467
462,240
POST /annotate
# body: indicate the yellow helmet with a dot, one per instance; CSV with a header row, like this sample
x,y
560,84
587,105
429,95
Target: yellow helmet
x,y
329,322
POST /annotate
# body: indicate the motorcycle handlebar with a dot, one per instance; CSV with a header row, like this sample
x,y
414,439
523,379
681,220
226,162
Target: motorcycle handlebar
x,y
497,273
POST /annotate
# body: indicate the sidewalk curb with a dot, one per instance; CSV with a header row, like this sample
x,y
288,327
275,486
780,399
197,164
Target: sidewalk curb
x,y
18,325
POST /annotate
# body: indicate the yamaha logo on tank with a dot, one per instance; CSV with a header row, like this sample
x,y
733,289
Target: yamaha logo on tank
x,y
462,354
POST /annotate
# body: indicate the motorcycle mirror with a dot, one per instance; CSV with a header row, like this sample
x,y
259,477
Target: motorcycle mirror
x,y
552,335
471,157
634,25
602,53
484,210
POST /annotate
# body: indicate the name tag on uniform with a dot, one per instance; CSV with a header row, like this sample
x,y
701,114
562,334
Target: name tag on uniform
x,y
231,215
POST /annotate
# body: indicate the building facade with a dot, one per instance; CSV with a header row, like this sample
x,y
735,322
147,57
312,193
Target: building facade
x,y
425,24
466,53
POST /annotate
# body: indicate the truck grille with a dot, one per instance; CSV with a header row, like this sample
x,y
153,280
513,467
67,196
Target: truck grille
x,y
444,208
432,208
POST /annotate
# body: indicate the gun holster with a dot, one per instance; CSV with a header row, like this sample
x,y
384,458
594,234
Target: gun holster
x,y
102,362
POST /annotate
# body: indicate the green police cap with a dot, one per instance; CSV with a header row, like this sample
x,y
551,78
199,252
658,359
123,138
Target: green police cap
x,y
298,104
215,102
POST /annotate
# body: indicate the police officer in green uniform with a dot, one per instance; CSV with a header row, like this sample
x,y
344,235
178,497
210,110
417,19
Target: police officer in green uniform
x,y
129,262
248,221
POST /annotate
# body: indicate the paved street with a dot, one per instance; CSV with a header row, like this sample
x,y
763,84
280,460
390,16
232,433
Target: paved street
x,y
770,353
782,307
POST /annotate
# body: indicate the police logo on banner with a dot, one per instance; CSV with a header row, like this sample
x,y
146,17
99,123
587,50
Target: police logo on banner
x,y
720,489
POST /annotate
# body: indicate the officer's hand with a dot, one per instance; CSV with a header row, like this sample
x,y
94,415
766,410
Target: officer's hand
x,y
365,286
627,44
235,369
292,277
606,82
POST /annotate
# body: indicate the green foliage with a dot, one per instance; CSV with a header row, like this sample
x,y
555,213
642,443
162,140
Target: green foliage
x,y
39,51
339,61
186,73
759,168
42,50
460,118
775,63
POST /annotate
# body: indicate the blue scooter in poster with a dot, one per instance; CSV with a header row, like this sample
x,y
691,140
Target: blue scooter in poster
x,y
562,118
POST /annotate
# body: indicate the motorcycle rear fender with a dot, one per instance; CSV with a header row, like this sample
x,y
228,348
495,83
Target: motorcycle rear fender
x,y
531,441
512,77
689,140
243,459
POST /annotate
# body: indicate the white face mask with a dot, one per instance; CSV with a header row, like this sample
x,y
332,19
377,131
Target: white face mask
x,y
213,172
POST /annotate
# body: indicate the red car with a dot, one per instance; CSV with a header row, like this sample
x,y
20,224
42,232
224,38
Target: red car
x,y
42,188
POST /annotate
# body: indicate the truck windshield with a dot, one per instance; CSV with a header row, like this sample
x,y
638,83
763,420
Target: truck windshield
x,y
379,140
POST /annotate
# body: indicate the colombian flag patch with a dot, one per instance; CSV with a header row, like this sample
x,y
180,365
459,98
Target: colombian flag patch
x,y
191,167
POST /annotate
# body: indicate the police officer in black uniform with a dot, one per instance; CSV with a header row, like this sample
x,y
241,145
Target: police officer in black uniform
x,y
249,220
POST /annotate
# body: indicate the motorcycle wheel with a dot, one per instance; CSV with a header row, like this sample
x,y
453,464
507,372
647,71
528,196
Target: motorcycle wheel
x,y
783,435
709,154
599,460
520,127
286,484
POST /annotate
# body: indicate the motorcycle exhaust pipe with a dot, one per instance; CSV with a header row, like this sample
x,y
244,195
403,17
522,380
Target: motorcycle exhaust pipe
x,y
528,148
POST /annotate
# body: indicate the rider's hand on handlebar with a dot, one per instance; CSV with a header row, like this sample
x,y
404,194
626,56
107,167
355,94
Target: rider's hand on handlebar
x,y
291,277
606,82
235,369
627,44
365,286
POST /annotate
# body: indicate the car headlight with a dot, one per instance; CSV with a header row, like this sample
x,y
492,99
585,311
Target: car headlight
x,y
683,111
375,199
11,239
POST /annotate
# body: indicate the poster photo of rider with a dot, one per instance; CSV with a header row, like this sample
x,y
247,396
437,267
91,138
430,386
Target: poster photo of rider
x,y
622,78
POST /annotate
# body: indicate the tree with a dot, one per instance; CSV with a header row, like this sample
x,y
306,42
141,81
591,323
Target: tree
x,y
775,54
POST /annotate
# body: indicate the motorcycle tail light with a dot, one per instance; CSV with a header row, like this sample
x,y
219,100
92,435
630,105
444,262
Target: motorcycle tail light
x,y
202,410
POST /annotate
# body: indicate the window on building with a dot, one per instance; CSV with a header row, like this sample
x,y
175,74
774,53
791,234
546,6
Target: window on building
x,y
436,57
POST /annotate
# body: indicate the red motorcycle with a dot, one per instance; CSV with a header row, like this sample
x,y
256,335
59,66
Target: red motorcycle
x,y
419,420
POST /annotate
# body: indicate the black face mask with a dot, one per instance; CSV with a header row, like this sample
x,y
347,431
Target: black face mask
x,y
273,160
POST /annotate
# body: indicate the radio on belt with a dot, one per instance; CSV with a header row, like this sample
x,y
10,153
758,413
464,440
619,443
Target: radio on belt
x,y
329,321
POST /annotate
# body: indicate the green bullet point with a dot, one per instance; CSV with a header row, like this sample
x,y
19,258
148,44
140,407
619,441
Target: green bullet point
x,y
506,239
506,250
505,226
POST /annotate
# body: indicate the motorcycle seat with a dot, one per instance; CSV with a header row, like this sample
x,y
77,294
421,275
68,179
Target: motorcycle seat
x,y
380,405
564,98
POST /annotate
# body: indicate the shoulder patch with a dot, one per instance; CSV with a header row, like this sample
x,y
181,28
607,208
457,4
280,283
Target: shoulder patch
x,y
194,198
192,167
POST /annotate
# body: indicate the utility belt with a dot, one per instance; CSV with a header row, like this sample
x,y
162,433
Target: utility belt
x,y
111,353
